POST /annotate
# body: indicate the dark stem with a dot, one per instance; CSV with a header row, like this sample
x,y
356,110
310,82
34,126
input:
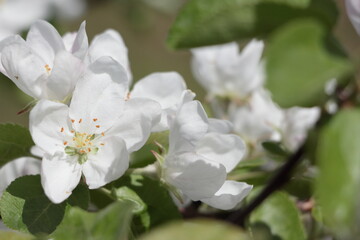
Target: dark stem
x,y
282,177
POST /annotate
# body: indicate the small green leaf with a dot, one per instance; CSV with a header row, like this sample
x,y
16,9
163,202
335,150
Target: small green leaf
x,y
275,148
206,22
111,223
15,141
143,157
199,229
338,185
160,206
281,215
126,194
25,207
300,62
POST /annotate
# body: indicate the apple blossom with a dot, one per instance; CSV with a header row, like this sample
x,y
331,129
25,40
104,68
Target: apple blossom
x,y
199,159
95,134
223,71
41,66
168,89
17,168
353,11
297,122
256,120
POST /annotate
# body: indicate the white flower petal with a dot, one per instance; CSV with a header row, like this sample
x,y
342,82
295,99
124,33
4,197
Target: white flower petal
x,y
189,125
81,43
297,123
60,174
258,120
17,168
45,40
110,43
5,42
195,177
227,149
229,195
108,164
64,75
168,89
16,59
353,11
99,95
49,125
135,125
165,88
220,126
36,151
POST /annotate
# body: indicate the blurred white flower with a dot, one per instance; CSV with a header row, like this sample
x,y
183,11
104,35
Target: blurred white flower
x,y
259,119
66,9
256,120
95,134
168,89
18,15
353,11
199,159
17,168
223,71
297,123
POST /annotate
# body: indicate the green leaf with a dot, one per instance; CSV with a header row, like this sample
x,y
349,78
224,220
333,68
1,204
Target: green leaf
x,y
7,235
199,229
160,206
206,22
15,141
281,215
111,223
143,157
80,196
25,207
338,185
300,62
275,148
126,194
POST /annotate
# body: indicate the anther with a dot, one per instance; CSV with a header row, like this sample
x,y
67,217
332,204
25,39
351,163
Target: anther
x,y
98,126
72,120
65,143
80,120
62,129
95,119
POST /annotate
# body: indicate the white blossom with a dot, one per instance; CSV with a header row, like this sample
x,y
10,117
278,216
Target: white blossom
x,y
47,66
95,134
296,124
168,89
41,66
199,159
223,71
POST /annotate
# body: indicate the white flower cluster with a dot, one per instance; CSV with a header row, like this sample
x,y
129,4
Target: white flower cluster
x,y
239,78
18,15
86,121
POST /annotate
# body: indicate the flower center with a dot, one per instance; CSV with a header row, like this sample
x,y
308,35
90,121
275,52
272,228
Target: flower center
x,y
82,144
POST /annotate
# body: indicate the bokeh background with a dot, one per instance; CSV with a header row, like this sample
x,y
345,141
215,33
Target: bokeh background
x,y
144,25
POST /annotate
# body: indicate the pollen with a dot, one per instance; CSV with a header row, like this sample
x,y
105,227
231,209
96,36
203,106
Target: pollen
x,y
65,143
72,120
95,119
62,129
48,69
80,120
102,134
98,126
